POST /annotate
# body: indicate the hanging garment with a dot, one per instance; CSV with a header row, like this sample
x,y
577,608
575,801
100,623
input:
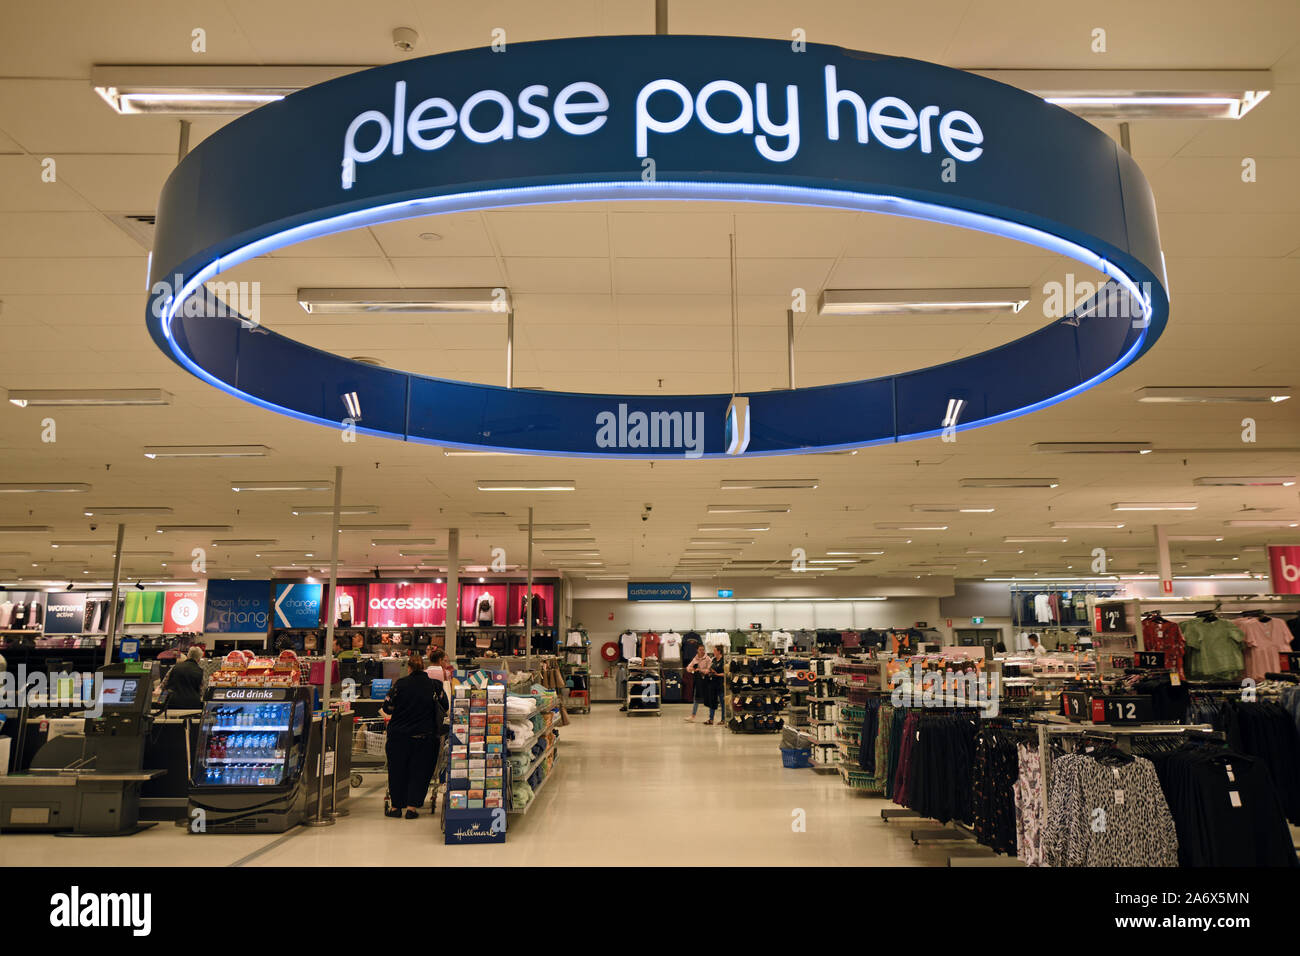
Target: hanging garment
x,y
1164,637
1214,650
1266,641
485,609
1043,609
1029,805
670,648
650,646
628,643
1108,812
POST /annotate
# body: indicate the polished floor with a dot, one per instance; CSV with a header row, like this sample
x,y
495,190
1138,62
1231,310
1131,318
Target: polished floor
x,y
628,791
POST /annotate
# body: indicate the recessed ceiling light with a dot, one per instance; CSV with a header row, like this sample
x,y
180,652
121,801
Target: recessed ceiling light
x,y
124,511
1154,506
748,509
767,484
1092,447
40,397
1261,523
1009,482
1213,394
282,486
1285,481
206,451
921,301
42,487
404,301
1084,525
953,509
204,528
313,511
527,485
896,526
1034,539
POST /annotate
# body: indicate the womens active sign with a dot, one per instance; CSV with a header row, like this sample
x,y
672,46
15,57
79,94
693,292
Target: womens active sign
x,y
657,118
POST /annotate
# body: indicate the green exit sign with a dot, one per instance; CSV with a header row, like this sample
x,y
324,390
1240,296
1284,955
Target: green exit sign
x,y
977,620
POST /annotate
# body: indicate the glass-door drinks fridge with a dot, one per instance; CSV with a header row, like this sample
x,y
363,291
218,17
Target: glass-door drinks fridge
x,y
249,760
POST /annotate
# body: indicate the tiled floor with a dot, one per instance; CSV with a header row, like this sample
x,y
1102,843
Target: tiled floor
x,y
640,790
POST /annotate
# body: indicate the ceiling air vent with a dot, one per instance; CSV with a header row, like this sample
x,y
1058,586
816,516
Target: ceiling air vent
x,y
139,226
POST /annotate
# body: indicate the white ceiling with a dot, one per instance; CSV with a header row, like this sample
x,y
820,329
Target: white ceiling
x,y
633,298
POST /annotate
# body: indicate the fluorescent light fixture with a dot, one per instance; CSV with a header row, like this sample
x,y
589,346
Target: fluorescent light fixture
x,y
1193,537
40,397
398,542
721,541
1092,447
832,561
1087,525
1145,94
838,554
952,509
527,485
313,511
740,526
243,542
606,577
24,529
125,511
349,301
42,487
1261,523
563,526
377,528
81,544
748,509
573,552
213,90
282,486
1213,394
767,484
1009,482
1153,506
456,453
995,550
1284,481
423,554
1033,539
206,451
953,414
897,526
213,528
921,301
353,405
590,541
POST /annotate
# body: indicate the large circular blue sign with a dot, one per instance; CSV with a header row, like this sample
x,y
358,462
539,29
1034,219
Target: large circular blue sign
x,y
664,117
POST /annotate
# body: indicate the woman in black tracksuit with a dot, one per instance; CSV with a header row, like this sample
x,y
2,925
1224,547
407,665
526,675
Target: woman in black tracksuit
x,y
416,705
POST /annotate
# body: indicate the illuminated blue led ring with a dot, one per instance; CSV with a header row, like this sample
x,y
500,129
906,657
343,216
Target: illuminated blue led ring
x,y
574,121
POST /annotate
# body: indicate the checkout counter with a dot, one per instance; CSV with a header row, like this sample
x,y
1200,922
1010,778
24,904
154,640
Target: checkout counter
x,y
87,770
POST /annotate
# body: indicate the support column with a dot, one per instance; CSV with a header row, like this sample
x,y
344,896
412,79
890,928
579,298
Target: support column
x,y
453,595
528,600
1164,565
789,336
112,602
510,349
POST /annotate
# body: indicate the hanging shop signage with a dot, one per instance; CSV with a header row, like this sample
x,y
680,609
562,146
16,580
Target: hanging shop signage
x,y
297,605
142,607
182,611
657,118
406,605
65,613
237,607
1284,569
659,591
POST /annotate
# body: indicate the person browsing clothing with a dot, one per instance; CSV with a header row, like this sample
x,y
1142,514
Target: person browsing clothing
x,y
699,666
415,704
1036,646
716,690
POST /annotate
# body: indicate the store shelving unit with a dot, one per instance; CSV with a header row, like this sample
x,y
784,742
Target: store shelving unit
x,y
757,694
644,693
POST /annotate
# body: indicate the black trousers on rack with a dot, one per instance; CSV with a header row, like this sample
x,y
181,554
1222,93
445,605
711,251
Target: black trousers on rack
x,y
411,762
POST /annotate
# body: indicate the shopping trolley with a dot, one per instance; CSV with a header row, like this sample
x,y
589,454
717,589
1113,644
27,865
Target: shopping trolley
x,y
368,752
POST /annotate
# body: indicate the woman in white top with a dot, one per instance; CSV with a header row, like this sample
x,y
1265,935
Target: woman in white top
x,y
701,666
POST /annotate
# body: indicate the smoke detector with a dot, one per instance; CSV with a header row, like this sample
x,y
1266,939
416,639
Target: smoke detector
x,y
404,38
